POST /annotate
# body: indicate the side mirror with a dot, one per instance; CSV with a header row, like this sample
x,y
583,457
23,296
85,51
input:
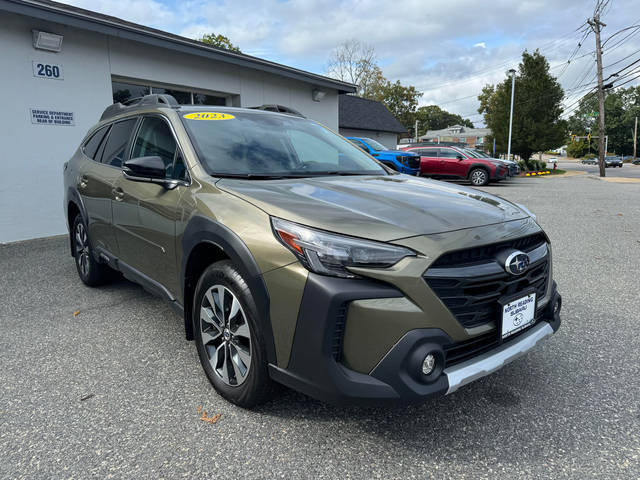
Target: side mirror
x,y
144,169
460,157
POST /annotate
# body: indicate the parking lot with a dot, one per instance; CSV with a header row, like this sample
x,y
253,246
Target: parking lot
x,y
628,170
570,408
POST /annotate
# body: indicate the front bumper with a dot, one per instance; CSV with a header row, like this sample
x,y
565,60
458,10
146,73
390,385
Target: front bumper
x,y
315,367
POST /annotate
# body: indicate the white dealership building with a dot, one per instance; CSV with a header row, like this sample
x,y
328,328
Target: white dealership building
x,y
61,66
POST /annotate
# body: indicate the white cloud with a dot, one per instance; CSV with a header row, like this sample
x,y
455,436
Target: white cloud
x,y
480,45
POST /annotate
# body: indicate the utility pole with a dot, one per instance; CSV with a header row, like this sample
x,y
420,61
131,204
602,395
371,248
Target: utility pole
x,y
635,136
596,26
513,87
416,131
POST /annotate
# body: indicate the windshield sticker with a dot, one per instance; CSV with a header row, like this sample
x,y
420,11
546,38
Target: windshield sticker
x,y
209,116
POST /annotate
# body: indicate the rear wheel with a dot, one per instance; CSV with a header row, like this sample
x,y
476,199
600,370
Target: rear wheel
x,y
228,337
91,272
478,177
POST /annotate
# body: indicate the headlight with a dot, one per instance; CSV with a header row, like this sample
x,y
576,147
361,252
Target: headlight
x,y
330,254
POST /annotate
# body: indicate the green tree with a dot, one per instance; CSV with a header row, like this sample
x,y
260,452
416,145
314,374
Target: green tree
x,y
433,117
537,125
620,109
219,41
401,100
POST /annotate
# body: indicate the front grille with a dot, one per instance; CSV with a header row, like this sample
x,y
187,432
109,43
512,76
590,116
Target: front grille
x,y
469,256
338,333
414,162
473,299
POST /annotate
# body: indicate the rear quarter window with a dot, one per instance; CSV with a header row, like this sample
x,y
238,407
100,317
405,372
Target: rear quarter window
x,y
91,146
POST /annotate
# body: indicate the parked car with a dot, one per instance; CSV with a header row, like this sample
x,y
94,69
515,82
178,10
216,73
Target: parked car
x,y
612,161
294,257
455,163
512,166
552,160
399,160
589,161
636,161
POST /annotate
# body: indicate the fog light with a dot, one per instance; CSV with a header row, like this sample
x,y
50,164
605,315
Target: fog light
x,y
428,364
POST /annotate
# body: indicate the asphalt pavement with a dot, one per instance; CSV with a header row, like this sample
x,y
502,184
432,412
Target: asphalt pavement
x,y
568,409
628,170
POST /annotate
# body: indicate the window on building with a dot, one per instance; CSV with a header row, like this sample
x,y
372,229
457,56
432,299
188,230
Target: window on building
x,y
115,148
204,99
124,91
128,91
155,139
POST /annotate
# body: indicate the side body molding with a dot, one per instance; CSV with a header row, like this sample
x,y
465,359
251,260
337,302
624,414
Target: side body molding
x,y
201,230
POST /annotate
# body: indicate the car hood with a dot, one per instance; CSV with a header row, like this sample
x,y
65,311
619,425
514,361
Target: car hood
x,y
382,208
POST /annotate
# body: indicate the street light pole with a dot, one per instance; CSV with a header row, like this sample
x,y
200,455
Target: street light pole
x,y
512,72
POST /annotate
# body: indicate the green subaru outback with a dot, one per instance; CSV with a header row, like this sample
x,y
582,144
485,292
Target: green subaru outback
x,y
296,258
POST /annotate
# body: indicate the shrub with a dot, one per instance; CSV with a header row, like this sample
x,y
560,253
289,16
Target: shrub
x,y
522,165
543,165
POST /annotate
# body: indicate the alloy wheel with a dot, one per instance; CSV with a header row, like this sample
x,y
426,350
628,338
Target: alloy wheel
x,y
478,177
82,249
225,335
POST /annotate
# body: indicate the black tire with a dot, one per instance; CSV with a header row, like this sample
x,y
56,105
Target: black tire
x,y
478,177
256,386
90,271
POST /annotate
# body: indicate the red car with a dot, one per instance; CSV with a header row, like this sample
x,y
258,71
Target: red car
x,y
456,164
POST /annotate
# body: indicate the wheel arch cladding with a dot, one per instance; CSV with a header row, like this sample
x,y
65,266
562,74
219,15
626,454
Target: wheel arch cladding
x,y
478,165
74,207
204,242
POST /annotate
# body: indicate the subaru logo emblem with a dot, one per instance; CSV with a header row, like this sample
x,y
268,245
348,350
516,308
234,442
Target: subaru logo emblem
x,y
517,263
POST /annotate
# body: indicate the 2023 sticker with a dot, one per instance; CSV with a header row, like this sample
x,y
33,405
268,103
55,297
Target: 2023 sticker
x,y
208,116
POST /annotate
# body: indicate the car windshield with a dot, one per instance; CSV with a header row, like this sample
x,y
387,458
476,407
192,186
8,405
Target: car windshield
x,y
471,153
262,145
375,145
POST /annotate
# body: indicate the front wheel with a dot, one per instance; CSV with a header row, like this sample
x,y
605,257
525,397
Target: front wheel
x,y
478,177
228,336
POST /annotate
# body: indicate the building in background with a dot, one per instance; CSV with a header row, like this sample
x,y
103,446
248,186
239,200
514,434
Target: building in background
x,y
62,66
472,137
360,117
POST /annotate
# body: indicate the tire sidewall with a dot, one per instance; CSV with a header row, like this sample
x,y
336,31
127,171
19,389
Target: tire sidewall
x,y
253,389
486,177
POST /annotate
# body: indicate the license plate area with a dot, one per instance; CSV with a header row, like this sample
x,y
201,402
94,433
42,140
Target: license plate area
x,y
517,313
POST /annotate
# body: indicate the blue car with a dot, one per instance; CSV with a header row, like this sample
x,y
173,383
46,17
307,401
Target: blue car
x,y
403,162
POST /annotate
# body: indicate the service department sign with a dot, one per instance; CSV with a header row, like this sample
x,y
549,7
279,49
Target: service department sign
x,y
41,116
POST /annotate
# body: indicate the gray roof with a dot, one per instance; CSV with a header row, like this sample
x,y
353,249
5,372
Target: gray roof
x,y
108,25
458,131
364,114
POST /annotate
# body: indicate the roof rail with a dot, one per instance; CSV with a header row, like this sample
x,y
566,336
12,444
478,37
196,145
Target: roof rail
x,y
279,109
135,103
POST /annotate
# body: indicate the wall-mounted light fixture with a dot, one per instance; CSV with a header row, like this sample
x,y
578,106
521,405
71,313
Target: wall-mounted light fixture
x,y
47,41
317,95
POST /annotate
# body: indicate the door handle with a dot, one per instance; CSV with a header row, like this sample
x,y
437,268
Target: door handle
x,y
82,181
118,193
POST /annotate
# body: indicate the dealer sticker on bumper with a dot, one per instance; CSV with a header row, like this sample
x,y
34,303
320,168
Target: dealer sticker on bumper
x,y
518,314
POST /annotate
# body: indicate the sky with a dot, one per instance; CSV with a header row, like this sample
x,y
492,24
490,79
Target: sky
x,y
447,49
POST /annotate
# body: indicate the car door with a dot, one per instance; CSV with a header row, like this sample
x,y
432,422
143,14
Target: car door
x,y
451,163
429,161
145,213
95,185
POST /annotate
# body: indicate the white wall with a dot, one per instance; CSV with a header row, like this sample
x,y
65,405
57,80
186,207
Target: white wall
x,y
31,192
389,140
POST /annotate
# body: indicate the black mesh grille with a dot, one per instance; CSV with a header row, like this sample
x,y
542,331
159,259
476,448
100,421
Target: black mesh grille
x,y
473,300
414,162
338,333
487,252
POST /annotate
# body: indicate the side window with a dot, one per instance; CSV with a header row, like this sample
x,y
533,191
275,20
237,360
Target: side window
x,y
448,153
90,148
117,141
155,139
427,152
